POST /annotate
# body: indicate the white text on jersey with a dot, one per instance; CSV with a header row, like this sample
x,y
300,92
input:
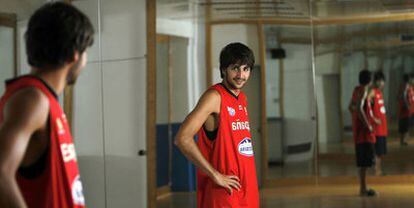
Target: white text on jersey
x,y
239,125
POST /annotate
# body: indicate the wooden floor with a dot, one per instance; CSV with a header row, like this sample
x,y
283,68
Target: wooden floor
x,y
339,160
337,171
329,196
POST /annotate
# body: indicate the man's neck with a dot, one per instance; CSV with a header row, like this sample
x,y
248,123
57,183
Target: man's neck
x,y
55,78
234,91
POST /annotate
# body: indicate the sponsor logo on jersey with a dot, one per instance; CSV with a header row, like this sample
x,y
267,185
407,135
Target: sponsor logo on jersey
x,y
382,109
231,110
68,152
240,125
77,192
61,129
245,147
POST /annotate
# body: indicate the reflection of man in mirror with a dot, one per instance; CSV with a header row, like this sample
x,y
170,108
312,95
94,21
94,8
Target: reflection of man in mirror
x,y
226,175
380,119
363,130
405,105
37,155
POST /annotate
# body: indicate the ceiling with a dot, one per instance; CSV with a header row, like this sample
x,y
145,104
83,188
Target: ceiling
x,y
217,10
337,21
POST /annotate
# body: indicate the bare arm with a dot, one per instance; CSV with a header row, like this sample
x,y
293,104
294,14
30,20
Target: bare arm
x,y
24,113
361,102
351,106
208,104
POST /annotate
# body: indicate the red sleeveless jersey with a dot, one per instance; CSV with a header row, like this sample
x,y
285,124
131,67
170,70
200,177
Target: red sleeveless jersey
x,y
380,113
230,153
59,185
403,111
360,130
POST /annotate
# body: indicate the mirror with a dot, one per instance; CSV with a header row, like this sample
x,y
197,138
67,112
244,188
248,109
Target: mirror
x,y
290,114
174,172
280,90
342,50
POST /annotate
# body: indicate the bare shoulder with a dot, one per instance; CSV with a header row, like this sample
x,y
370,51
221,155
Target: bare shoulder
x,y
28,104
208,104
211,95
209,101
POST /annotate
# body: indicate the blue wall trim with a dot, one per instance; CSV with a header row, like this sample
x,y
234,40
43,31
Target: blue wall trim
x,y
183,178
162,155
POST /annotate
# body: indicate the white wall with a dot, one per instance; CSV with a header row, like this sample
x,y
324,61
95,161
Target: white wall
x,y
274,123
22,64
188,40
23,10
7,56
326,64
162,83
351,65
298,127
327,93
329,128
180,90
179,28
110,105
198,81
272,87
320,96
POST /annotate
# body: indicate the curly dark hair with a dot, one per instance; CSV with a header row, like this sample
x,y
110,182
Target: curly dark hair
x,y
235,53
55,32
379,75
365,77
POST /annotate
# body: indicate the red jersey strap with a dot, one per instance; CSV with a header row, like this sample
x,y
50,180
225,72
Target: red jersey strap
x,y
29,81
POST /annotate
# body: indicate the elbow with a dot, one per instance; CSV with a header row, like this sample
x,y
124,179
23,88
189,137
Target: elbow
x,y
181,142
5,173
178,142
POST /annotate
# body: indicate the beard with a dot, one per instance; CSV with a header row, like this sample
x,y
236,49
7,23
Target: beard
x,y
73,73
233,85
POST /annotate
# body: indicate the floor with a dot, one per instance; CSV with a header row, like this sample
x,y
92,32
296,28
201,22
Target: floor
x,y
339,159
344,196
334,160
